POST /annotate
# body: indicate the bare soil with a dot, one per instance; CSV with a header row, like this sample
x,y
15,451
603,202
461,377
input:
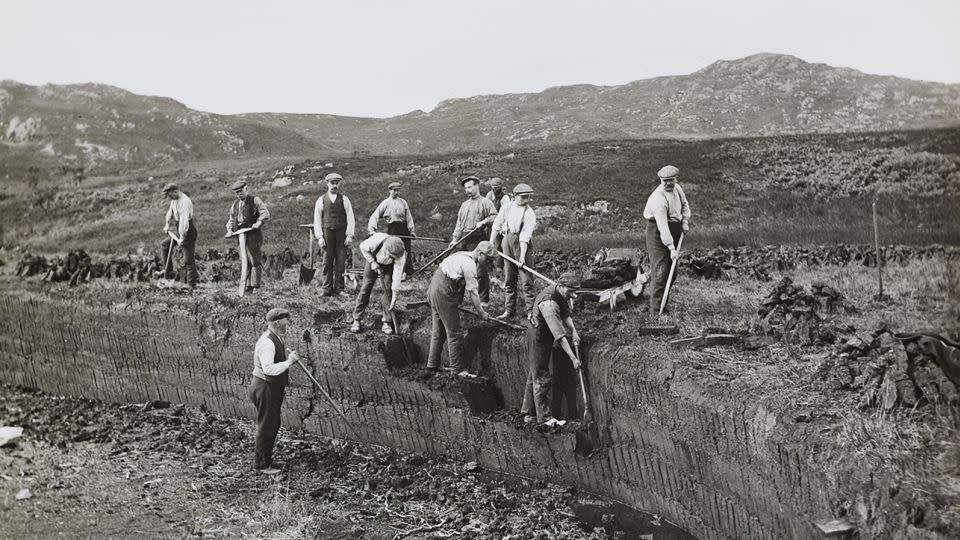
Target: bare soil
x,y
154,470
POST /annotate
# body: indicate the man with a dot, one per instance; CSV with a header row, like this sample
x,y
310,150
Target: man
x,y
499,199
551,325
474,212
246,212
516,222
385,257
180,215
271,364
497,196
668,215
456,273
399,219
333,226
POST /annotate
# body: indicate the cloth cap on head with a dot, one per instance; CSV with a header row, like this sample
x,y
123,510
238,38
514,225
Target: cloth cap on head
x,y
333,178
496,182
464,181
276,314
668,172
394,246
486,248
394,185
569,279
170,187
522,189
238,185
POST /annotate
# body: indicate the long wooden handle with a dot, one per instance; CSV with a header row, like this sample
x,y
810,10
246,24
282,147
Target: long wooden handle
x,y
243,263
326,395
673,269
527,268
448,250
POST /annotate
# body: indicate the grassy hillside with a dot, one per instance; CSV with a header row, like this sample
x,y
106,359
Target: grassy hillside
x,y
796,190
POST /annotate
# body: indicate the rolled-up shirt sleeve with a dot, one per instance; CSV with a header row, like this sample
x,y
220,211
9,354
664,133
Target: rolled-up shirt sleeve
x,y
551,314
410,225
318,218
527,227
470,278
262,210
376,215
684,205
185,209
266,353
351,223
398,265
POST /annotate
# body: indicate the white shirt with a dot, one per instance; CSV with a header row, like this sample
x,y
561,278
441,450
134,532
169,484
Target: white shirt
x,y
461,265
180,211
514,218
264,353
392,210
318,214
664,207
367,248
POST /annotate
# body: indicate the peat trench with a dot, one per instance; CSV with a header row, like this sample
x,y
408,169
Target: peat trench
x,y
701,457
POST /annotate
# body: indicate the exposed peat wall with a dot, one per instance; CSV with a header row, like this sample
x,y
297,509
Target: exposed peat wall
x,y
717,463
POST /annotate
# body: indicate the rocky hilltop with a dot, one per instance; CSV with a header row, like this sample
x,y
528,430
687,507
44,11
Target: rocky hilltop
x,y
90,126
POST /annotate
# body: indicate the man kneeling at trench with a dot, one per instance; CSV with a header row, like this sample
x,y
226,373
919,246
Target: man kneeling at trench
x,y
550,325
385,257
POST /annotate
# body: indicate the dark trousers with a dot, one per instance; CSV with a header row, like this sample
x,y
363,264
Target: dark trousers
x,y
399,228
483,273
188,270
444,297
334,260
267,398
536,395
512,274
370,278
660,260
255,257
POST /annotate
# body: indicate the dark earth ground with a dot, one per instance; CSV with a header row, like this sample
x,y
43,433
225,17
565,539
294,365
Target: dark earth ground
x,y
98,470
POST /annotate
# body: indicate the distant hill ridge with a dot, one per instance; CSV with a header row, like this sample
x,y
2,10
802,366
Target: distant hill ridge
x,y
95,126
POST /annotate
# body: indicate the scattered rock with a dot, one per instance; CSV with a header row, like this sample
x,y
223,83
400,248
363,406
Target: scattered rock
x,y
24,494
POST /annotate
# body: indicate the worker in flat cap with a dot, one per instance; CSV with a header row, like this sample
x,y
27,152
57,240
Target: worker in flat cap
x,y
551,332
333,225
385,257
668,216
456,276
249,212
271,365
473,221
179,218
396,212
499,198
515,223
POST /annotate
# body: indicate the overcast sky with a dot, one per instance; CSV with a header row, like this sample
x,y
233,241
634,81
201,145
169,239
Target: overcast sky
x,y
381,58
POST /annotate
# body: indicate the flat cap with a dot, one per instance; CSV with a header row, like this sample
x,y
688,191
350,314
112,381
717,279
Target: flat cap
x,y
569,279
668,172
463,181
276,314
394,246
170,187
486,248
395,185
333,177
238,185
522,189
495,182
